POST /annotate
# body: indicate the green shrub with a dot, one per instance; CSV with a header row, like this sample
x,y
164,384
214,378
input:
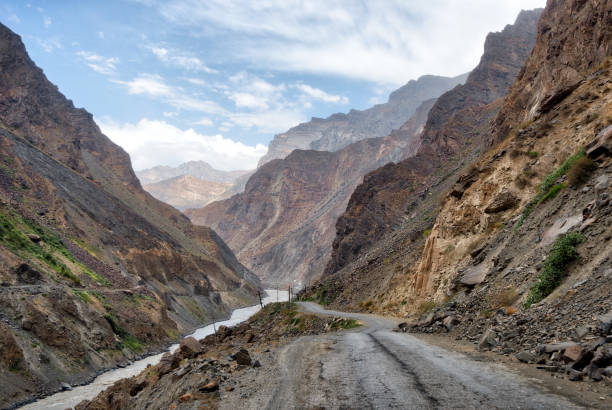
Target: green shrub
x,y
426,233
548,189
552,192
580,171
426,307
83,295
345,324
532,154
562,253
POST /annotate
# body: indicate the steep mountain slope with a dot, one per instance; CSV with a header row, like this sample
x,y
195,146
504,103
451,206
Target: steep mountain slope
x,y
405,193
519,257
282,225
340,130
195,169
534,185
94,271
185,191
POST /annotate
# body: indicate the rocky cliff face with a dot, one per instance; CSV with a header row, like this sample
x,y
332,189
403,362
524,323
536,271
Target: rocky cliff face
x,y
185,191
559,104
518,258
282,225
94,271
405,193
340,130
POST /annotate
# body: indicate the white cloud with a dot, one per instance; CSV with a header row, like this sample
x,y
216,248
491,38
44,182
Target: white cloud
x,y
207,122
319,94
13,18
170,114
101,35
181,59
151,143
49,44
196,81
386,42
153,86
270,121
46,21
98,63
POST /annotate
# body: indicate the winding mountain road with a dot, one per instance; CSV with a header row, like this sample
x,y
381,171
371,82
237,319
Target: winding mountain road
x,y
374,367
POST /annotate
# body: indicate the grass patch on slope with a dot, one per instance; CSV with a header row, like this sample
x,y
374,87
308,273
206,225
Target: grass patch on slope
x,y
548,188
14,231
12,236
563,252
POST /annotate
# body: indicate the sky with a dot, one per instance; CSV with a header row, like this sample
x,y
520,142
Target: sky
x,y
215,80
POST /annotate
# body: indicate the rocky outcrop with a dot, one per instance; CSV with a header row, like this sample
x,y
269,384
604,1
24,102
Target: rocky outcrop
x,y
340,130
404,194
93,270
511,173
185,191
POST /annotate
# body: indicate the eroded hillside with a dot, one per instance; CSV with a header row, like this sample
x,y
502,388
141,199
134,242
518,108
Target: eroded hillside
x,y
94,271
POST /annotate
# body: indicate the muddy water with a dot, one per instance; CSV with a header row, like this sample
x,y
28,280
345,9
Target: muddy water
x,y
69,399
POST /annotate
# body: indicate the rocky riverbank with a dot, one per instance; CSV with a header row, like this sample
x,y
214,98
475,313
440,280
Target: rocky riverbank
x,y
199,374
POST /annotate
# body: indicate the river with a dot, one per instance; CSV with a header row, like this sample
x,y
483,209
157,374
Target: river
x,y
70,398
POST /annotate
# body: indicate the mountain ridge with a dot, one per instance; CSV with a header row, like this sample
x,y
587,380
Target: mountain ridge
x,y
94,270
339,129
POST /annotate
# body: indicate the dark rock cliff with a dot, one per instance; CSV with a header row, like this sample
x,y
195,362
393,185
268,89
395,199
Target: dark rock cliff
x,y
451,137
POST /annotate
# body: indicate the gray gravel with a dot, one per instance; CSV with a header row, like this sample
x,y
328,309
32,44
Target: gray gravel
x,y
373,367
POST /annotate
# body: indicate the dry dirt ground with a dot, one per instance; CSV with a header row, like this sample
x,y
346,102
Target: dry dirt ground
x,y
374,367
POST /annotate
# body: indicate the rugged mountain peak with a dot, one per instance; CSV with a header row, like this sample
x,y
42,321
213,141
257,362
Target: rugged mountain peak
x,y
573,40
34,109
339,130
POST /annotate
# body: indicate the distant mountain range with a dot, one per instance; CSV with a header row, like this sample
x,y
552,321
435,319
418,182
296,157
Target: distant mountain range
x,y
339,130
196,169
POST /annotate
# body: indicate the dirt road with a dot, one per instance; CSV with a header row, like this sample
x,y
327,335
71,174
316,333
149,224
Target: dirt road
x,y
374,367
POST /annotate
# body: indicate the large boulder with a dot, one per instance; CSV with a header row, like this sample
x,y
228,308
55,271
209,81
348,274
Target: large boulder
x,y
242,357
605,323
190,347
601,144
502,202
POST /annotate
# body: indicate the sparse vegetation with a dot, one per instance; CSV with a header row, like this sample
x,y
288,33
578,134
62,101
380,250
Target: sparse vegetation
x,y
426,233
366,304
426,307
504,297
580,171
548,188
83,295
344,324
12,236
562,253
127,340
552,192
532,154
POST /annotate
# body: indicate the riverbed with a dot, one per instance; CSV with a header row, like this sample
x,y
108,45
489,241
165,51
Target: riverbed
x,y
70,398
